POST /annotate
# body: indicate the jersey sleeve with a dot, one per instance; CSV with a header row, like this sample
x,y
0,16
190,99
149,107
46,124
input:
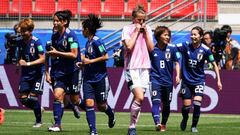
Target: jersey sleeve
x,y
100,46
210,57
73,41
39,46
125,33
176,54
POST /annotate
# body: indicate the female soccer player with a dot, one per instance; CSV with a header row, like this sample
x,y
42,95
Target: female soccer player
x,y
64,76
194,55
31,60
95,79
163,57
137,39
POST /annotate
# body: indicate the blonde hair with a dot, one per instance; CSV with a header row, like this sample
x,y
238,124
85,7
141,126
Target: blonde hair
x,y
138,9
26,24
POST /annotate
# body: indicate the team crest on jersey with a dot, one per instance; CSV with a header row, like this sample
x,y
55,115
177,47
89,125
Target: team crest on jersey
x,y
167,55
32,49
64,43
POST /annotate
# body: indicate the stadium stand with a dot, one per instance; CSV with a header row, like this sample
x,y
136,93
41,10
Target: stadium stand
x,y
157,3
24,7
132,4
90,6
182,12
44,8
68,4
4,7
113,8
212,8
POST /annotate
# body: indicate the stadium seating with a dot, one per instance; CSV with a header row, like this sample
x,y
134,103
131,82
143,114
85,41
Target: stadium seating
x,y
113,8
212,9
184,11
90,6
4,7
131,4
68,4
21,6
44,8
157,3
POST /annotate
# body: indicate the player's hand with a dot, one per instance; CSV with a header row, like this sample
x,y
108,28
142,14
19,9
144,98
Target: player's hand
x,y
79,64
53,52
219,86
87,61
22,62
177,80
48,78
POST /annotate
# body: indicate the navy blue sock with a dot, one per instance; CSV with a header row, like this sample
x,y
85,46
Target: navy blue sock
x,y
57,112
185,112
91,118
165,114
196,113
32,102
109,112
156,111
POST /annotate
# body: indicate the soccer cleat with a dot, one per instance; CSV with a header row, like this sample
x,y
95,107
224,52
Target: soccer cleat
x,y
183,124
111,122
132,131
55,128
93,133
158,127
163,128
76,111
194,130
2,111
37,125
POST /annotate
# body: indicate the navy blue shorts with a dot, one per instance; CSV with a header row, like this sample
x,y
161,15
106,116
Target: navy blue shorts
x,y
33,86
188,91
161,93
97,90
70,83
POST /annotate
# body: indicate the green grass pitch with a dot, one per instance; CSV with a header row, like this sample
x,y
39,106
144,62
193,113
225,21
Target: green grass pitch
x,y
20,123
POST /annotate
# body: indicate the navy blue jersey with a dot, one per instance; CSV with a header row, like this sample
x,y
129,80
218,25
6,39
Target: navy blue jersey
x,y
162,61
193,60
96,71
30,52
61,66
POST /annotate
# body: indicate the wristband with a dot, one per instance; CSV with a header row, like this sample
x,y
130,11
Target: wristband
x,y
28,63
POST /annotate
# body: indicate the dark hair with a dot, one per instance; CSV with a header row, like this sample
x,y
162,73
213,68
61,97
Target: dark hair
x,y
227,28
210,33
64,15
199,29
160,30
92,23
138,9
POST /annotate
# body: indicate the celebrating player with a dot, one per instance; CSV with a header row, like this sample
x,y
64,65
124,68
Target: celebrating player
x,y
194,55
163,57
31,60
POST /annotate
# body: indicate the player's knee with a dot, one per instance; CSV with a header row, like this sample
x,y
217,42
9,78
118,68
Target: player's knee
x,y
186,108
156,102
23,100
102,107
33,98
197,103
89,102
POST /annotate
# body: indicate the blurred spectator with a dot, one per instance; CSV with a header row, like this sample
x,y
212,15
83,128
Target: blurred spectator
x,y
208,41
11,45
232,50
118,57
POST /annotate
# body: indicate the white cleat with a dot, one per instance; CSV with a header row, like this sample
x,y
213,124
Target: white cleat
x,y
55,128
37,125
194,130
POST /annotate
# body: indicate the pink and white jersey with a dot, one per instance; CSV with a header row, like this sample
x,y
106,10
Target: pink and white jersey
x,y
139,56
